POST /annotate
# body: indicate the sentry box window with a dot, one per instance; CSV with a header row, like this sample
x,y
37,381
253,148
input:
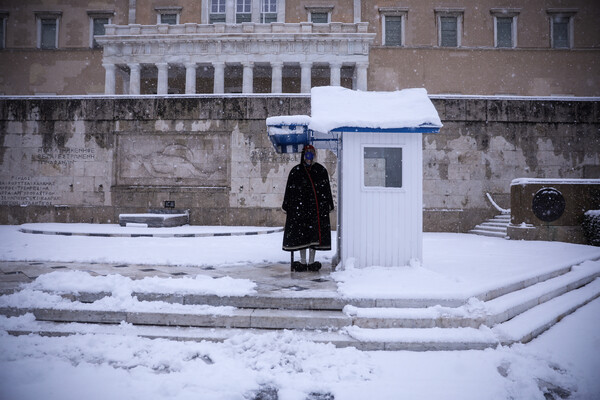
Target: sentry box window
x,y
382,167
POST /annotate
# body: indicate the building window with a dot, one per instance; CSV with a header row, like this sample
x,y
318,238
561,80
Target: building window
x,y
3,19
168,15
217,11
505,27
392,26
449,22
98,20
382,167
47,29
561,28
243,11
268,12
319,15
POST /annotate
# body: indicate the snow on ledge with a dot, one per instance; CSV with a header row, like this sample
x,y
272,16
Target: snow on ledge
x,y
554,181
288,120
335,107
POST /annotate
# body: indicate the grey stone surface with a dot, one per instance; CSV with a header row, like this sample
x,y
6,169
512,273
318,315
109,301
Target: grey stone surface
x,y
77,153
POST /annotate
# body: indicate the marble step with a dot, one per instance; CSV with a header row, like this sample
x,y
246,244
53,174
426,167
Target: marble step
x,y
488,233
236,318
474,315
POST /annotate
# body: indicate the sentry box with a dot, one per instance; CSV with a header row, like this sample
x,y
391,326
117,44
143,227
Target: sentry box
x,y
377,137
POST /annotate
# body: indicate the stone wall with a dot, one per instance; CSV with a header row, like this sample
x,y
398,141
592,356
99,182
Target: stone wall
x,y
89,159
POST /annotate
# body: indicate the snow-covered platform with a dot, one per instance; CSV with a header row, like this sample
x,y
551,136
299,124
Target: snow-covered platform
x,y
471,292
138,230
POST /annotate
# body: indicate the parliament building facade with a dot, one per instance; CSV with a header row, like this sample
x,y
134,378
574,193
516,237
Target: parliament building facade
x,y
141,47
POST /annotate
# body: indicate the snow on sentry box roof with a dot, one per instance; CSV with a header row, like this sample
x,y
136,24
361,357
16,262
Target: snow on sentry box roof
x,y
336,107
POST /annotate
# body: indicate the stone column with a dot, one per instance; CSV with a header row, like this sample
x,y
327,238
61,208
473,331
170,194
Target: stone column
x,y
248,77
361,76
163,78
335,74
276,77
190,78
305,77
219,81
134,78
109,78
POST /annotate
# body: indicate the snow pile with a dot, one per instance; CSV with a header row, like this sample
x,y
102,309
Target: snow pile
x,y
396,282
335,107
46,292
79,281
123,302
287,120
244,367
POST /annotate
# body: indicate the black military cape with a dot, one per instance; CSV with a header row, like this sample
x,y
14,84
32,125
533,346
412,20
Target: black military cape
x,y
307,203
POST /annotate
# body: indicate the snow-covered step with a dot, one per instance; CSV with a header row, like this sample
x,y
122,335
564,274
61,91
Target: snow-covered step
x,y
531,323
487,233
362,339
425,339
475,313
490,228
493,227
494,224
236,318
506,307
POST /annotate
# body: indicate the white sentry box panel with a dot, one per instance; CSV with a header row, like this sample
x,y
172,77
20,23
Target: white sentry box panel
x,y
381,226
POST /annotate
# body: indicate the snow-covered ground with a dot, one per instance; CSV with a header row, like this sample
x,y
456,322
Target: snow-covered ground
x,y
563,361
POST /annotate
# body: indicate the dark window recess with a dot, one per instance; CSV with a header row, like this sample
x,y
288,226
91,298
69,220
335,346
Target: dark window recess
x,y
48,34
504,32
449,31
393,31
560,32
239,18
99,29
216,18
318,18
169,19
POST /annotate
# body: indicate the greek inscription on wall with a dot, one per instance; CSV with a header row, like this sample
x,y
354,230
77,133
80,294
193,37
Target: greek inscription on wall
x,y
26,190
63,156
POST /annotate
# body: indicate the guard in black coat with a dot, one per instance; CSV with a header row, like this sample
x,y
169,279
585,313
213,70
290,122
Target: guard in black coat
x,y
307,203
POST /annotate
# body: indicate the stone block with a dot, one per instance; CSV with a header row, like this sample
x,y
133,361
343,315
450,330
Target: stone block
x,y
16,110
57,315
278,106
138,108
298,319
97,109
3,110
541,111
455,110
565,112
497,110
170,108
440,106
586,111
518,110
300,105
240,319
258,108
234,108
475,110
